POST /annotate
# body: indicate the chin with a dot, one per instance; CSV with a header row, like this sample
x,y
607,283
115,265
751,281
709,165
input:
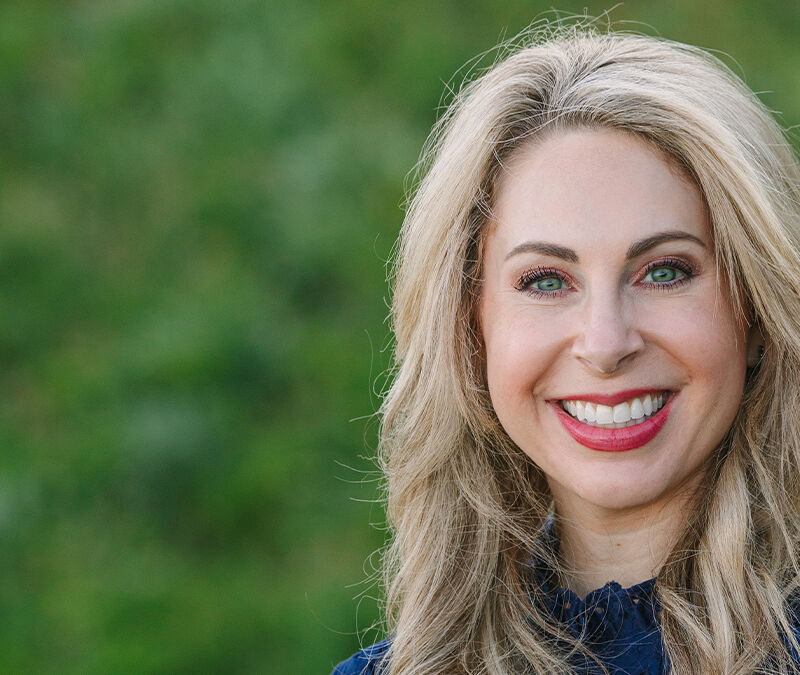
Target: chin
x,y
617,495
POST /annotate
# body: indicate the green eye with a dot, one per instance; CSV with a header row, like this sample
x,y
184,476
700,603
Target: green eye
x,y
664,275
543,282
548,284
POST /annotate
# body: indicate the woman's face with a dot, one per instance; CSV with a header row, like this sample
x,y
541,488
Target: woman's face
x,y
613,358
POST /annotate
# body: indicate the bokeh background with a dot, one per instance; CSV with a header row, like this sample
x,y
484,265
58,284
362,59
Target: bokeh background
x,y
197,202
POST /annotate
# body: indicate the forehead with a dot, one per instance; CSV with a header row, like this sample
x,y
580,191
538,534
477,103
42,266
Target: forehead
x,y
588,188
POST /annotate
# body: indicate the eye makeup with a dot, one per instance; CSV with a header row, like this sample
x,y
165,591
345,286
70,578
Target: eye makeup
x,y
549,282
686,268
527,282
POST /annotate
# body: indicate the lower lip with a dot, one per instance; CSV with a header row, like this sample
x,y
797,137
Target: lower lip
x,y
614,440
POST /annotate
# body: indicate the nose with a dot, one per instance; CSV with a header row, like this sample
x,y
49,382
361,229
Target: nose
x,y
608,337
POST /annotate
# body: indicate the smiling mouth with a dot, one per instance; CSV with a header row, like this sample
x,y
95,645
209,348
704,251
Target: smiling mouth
x,y
637,410
626,425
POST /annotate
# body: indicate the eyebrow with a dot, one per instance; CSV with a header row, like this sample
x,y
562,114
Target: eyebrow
x,y
634,250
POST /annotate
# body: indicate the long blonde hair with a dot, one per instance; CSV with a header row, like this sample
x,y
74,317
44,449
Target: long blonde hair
x,y
465,505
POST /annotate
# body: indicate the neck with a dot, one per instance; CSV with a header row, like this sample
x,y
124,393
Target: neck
x,y
600,545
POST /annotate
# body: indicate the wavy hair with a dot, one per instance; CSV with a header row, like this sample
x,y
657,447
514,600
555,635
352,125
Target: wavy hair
x,y
465,505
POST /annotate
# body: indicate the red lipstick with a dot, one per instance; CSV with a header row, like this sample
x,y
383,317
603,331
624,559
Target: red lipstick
x,y
613,440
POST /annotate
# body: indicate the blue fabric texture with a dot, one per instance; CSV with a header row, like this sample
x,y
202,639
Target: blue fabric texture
x,y
367,662
619,624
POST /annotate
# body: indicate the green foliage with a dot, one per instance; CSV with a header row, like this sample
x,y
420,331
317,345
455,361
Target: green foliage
x,y
198,200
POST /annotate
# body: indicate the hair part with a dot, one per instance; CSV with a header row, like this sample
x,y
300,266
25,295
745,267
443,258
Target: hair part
x,y
465,505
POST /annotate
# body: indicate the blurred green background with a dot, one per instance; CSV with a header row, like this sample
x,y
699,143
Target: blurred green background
x,y
198,200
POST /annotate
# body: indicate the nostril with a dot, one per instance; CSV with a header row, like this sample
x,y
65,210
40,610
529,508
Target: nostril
x,y
605,350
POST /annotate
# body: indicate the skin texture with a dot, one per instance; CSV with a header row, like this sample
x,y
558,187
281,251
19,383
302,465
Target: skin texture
x,y
606,324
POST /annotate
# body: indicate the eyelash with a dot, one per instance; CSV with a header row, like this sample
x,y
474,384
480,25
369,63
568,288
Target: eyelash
x,y
526,281
689,271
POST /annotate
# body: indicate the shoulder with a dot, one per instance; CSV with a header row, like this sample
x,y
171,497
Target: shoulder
x,y
793,615
369,661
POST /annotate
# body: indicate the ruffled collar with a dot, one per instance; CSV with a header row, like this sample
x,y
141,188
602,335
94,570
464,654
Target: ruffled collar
x,y
605,613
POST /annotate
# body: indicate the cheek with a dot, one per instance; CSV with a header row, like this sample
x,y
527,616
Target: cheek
x,y
708,346
702,336
721,361
519,353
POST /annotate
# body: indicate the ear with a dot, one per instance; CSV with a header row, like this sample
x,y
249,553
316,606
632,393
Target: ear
x,y
755,346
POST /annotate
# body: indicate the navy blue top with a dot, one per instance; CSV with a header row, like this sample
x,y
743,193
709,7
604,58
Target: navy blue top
x,y
620,625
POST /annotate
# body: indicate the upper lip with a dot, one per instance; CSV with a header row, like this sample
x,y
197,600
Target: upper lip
x,y
613,398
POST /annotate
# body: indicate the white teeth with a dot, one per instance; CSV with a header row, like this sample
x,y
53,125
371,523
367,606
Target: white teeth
x,y
604,414
623,414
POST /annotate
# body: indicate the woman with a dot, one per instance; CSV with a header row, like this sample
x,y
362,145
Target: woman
x,y
592,441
